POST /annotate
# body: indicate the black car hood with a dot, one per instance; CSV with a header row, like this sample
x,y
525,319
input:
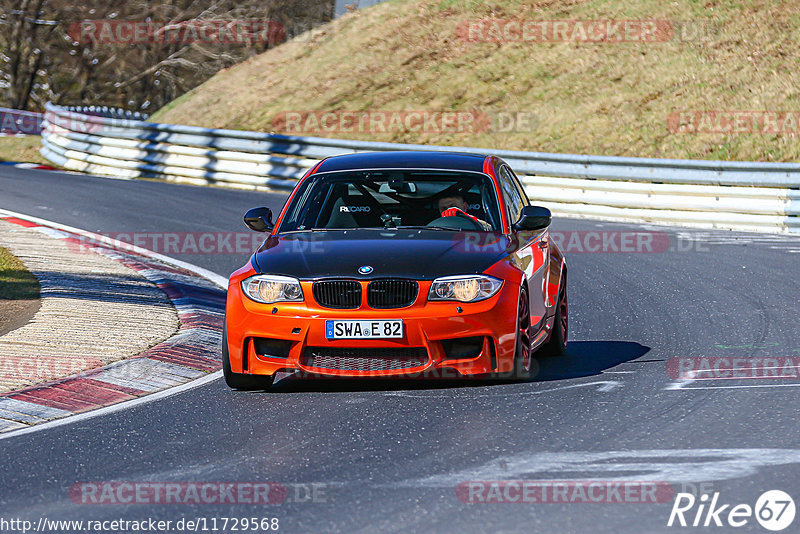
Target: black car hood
x,y
417,254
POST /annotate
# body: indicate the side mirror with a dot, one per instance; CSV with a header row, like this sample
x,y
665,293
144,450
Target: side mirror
x,y
533,218
259,219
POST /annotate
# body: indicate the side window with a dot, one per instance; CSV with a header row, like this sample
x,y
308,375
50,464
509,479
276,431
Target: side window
x,y
525,200
511,195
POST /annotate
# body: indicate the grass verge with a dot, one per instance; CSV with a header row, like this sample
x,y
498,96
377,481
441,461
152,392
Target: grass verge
x,y
19,293
16,282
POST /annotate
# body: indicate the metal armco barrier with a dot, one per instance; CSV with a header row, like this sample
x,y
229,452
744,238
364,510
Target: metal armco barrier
x,y
16,122
708,194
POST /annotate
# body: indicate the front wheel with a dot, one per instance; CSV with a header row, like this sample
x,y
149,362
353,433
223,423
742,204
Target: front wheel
x,y
239,380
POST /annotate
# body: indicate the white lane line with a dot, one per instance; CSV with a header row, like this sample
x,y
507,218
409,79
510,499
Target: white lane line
x,y
115,407
678,384
734,369
610,385
682,383
605,386
712,378
736,387
51,232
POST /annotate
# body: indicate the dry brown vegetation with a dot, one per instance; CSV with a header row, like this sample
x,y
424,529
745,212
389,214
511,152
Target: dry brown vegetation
x,y
45,55
611,99
23,149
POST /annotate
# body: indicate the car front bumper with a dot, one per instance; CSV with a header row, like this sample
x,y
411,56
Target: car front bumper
x,y
301,328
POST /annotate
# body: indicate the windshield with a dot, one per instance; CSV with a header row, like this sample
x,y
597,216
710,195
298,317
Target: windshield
x,y
392,199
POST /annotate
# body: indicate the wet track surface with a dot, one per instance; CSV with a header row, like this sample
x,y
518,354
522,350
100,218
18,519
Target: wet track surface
x,y
389,456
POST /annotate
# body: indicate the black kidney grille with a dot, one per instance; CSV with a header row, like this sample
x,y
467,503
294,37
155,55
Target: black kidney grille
x,y
385,294
377,359
339,294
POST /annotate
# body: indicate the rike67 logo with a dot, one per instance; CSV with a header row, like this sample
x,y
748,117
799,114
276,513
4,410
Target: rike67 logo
x,y
774,510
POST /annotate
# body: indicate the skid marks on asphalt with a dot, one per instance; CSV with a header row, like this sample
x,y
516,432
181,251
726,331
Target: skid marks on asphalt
x,y
602,386
663,465
786,243
734,370
689,384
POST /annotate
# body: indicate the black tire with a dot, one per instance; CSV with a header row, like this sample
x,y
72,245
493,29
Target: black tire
x,y
239,380
523,356
557,344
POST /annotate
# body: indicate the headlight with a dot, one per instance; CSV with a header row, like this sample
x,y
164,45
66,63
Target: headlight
x,y
268,289
467,288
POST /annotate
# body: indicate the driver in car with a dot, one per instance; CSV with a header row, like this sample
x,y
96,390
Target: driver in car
x,y
456,206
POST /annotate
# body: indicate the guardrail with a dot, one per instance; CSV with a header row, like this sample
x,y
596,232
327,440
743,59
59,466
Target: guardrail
x,y
711,194
17,122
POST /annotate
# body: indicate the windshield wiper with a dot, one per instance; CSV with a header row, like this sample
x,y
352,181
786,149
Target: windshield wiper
x,y
380,228
425,228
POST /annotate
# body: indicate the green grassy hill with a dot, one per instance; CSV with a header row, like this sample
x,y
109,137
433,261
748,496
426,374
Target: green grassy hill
x,y
596,98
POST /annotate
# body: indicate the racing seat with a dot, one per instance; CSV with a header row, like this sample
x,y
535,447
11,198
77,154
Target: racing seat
x,y
352,211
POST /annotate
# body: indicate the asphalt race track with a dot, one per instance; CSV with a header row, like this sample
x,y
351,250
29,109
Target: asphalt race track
x,y
389,457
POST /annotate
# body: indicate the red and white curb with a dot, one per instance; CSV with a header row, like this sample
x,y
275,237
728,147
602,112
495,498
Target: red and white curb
x,y
27,165
191,354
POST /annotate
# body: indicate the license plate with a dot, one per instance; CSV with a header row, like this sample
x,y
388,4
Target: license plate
x,y
364,329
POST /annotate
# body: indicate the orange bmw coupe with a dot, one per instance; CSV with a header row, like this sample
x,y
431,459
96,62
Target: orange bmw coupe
x,y
398,264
